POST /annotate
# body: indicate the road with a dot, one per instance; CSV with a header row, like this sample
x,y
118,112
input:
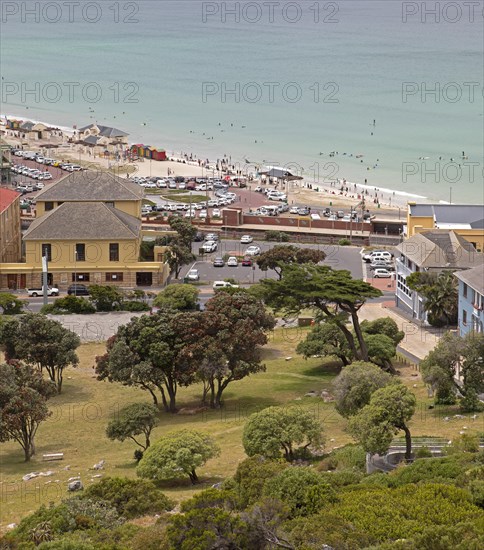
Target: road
x,y
337,257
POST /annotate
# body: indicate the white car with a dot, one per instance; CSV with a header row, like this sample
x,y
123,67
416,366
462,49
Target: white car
x,y
193,275
46,176
252,251
202,214
294,210
215,213
246,239
381,273
232,262
146,209
209,246
172,185
223,284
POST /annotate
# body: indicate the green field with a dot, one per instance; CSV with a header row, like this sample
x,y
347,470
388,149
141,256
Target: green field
x,y
81,412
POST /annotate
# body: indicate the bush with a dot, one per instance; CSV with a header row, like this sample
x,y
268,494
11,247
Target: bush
x,y
10,304
132,305
106,298
349,457
130,497
69,304
423,452
344,242
302,489
466,443
278,236
251,475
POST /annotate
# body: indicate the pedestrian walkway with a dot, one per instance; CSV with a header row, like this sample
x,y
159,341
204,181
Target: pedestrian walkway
x,y
418,341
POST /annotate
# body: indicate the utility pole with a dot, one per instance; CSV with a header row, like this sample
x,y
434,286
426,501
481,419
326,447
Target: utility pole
x,y
45,271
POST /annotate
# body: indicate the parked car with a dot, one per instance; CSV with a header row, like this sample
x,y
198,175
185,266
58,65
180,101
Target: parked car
x,y
246,239
193,275
78,290
211,237
340,214
253,251
223,284
199,237
232,262
209,246
303,211
378,255
218,262
216,213
294,210
382,273
247,261
327,212
51,291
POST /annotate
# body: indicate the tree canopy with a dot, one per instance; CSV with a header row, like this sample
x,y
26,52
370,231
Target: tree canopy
x,y
146,353
286,430
334,294
132,421
40,342
354,386
183,297
10,304
224,341
440,291
389,410
452,353
279,257
177,453
179,252
23,404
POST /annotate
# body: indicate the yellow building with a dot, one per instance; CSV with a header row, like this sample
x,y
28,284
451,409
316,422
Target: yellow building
x,y
465,220
89,226
10,243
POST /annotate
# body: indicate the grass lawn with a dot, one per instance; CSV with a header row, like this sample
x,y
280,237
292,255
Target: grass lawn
x,y
81,412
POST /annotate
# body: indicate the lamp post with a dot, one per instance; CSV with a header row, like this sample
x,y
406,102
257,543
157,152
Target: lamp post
x,y
75,271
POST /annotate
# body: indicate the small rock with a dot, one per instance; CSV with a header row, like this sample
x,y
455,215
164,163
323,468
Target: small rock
x,y
288,358
464,427
99,465
11,526
415,385
75,486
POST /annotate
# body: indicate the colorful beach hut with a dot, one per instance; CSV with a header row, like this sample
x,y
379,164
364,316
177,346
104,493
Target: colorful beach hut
x,y
158,154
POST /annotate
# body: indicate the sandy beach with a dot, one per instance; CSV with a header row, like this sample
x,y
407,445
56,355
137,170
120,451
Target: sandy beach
x,y
337,193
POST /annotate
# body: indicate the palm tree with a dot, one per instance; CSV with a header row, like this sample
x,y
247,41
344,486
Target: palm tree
x,y
441,298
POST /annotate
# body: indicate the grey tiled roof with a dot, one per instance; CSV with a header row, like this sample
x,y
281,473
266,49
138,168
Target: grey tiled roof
x,y
84,221
91,140
91,186
439,249
106,131
472,214
473,277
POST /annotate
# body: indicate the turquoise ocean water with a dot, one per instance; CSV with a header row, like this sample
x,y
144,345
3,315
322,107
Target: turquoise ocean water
x,y
330,80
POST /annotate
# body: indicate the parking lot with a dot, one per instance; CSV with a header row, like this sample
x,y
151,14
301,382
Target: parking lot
x,y
337,257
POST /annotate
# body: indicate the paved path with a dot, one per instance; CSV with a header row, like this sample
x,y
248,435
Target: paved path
x,y
95,327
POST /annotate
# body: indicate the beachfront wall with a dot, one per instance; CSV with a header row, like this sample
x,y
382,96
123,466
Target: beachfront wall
x,y
305,222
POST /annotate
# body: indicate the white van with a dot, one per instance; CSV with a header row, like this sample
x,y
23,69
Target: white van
x,y
378,255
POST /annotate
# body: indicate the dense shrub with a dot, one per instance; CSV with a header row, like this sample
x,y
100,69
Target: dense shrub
x,y
133,305
131,497
251,475
344,242
349,457
69,304
302,489
278,236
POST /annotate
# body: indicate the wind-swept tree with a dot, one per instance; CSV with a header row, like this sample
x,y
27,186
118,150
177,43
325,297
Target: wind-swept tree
x,y
279,257
334,294
132,421
23,404
224,341
354,386
389,411
146,353
41,342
